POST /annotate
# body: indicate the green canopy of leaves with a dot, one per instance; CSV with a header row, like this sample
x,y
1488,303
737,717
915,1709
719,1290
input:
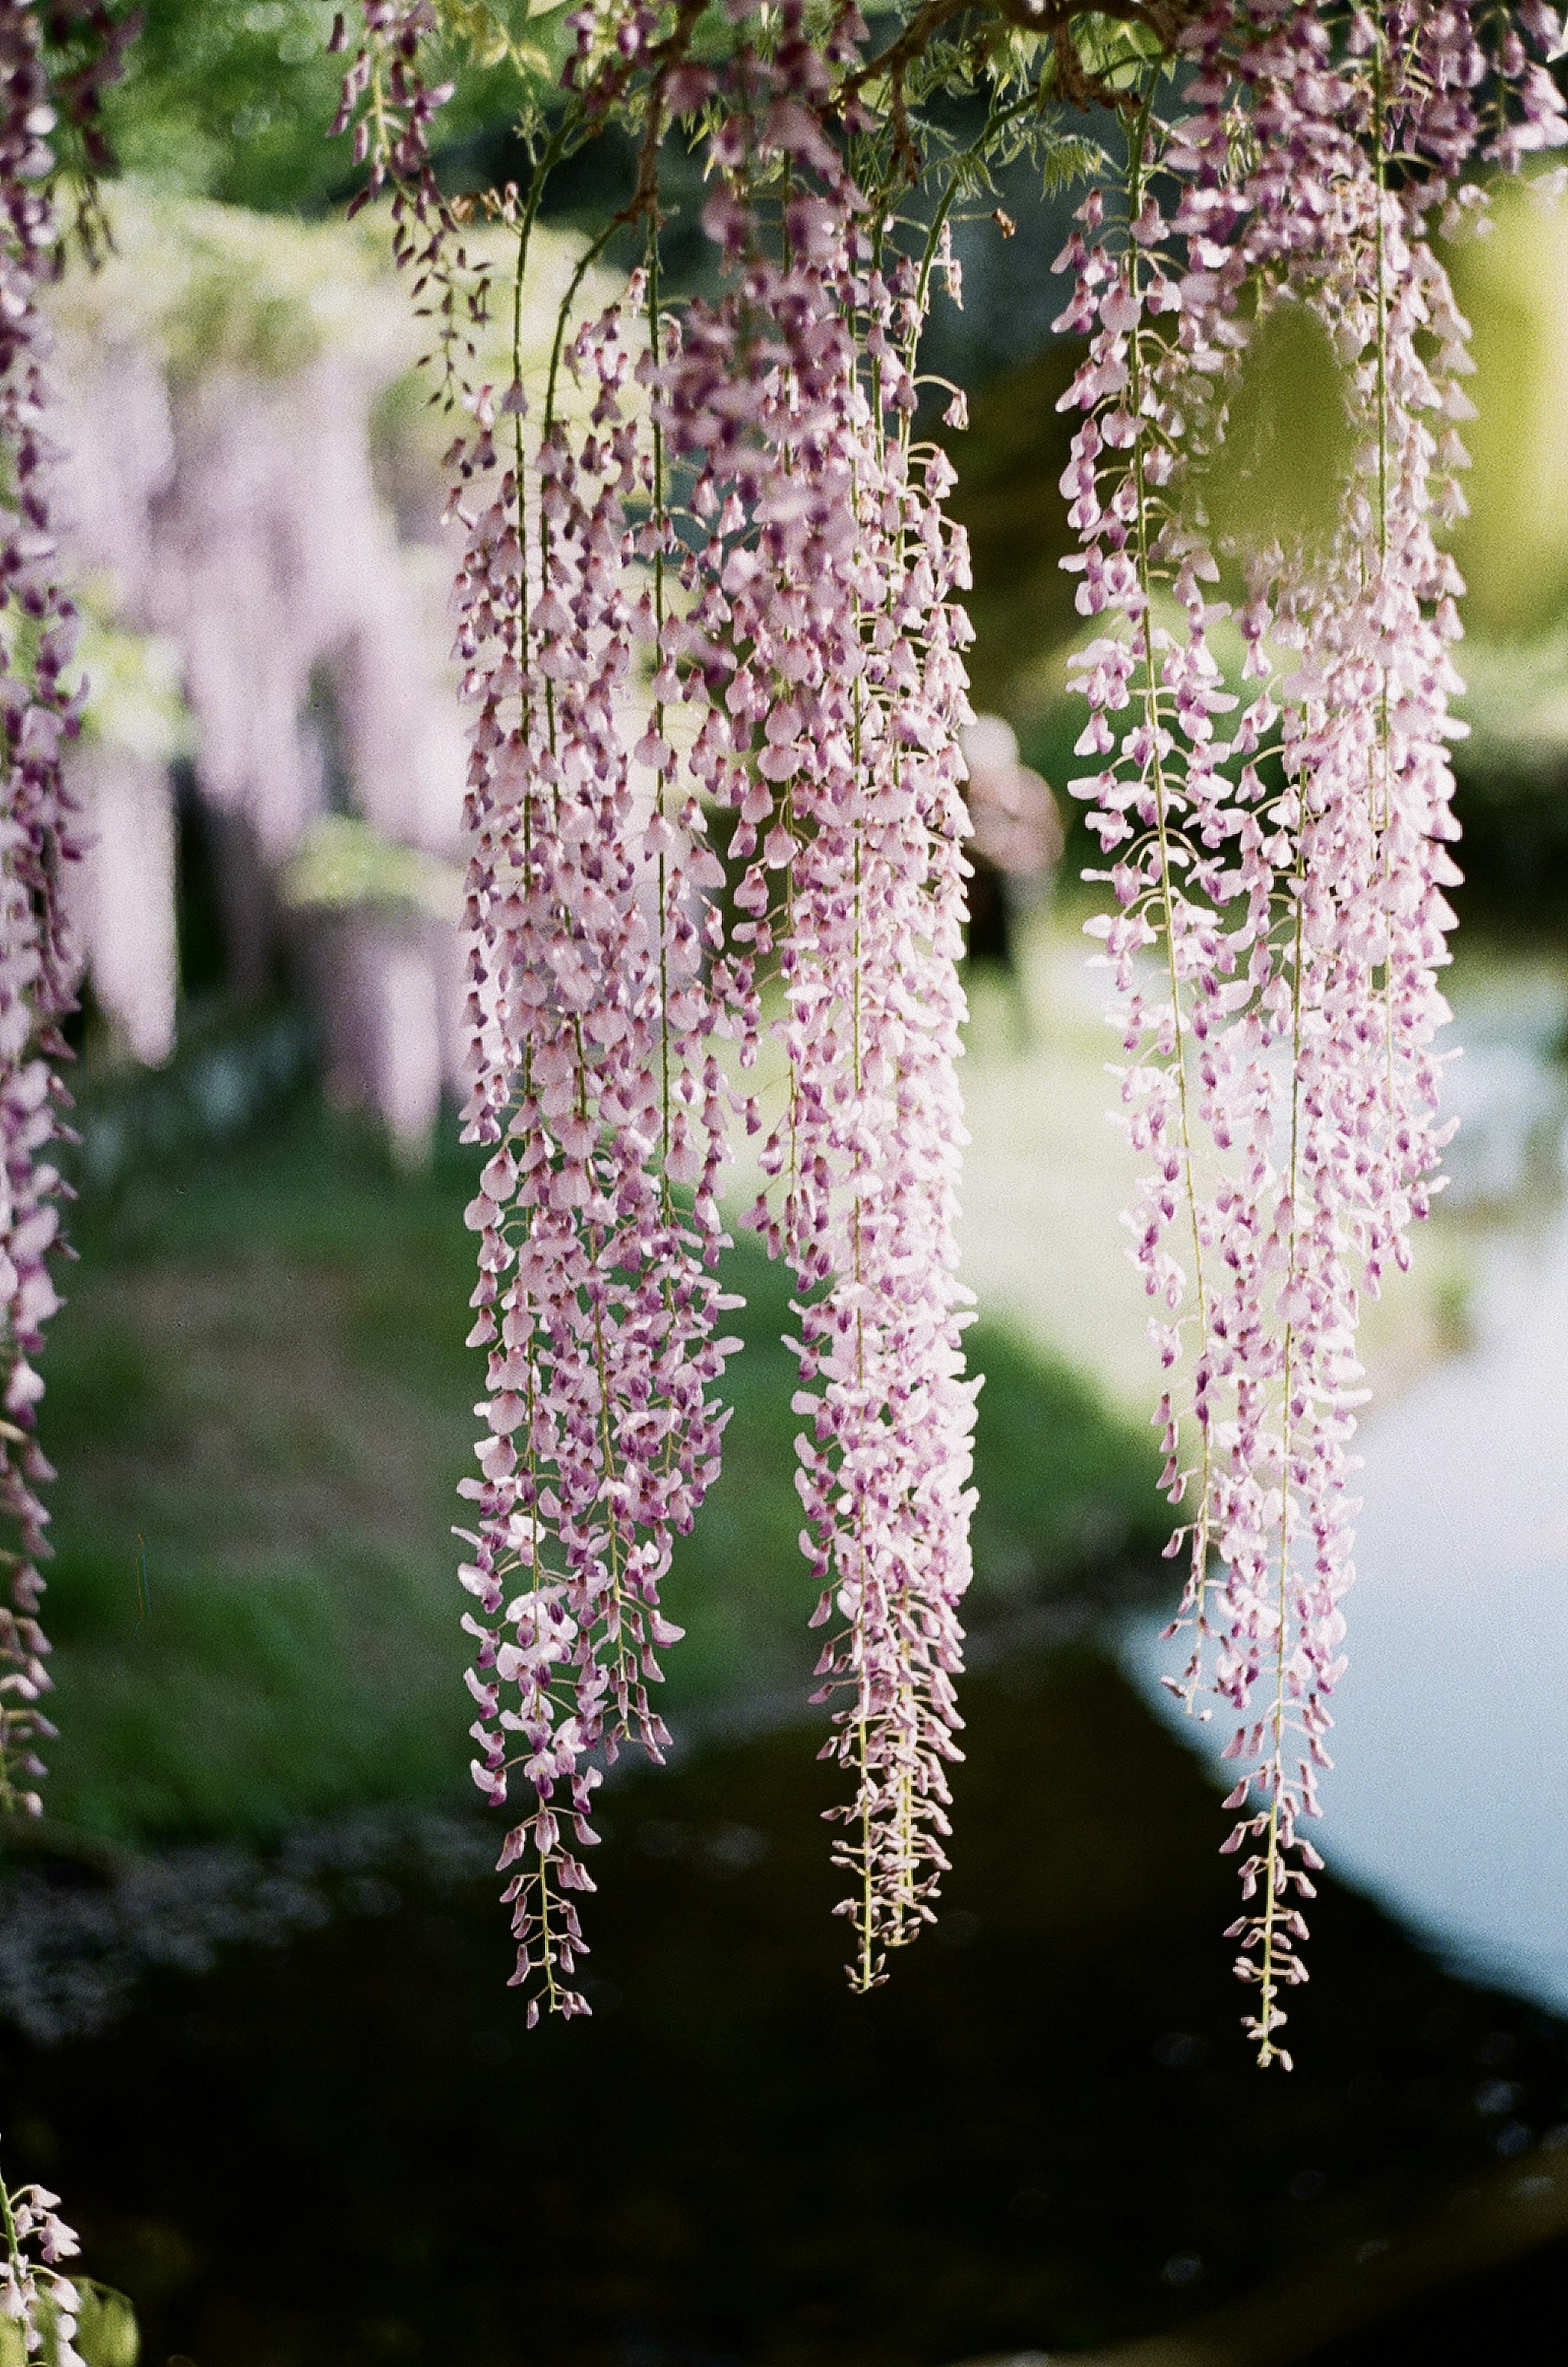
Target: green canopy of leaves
x,y
235,98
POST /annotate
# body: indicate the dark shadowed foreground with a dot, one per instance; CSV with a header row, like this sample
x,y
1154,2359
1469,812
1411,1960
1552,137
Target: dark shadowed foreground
x,y
1046,2133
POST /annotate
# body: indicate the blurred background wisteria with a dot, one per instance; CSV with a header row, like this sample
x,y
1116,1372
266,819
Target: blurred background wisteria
x,y
252,2017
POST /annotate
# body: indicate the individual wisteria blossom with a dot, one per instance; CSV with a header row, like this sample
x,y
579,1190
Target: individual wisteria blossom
x,y
1280,915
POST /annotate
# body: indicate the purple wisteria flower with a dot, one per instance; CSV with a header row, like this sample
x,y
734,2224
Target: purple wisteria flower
x,y
1280,915
39,709
798,624
727,610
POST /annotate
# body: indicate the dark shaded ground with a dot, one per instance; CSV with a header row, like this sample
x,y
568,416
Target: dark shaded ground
x,y
1044,2133
1511,2313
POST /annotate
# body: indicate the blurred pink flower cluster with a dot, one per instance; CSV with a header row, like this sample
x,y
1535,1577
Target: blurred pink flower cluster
x,y
1014,825
229,520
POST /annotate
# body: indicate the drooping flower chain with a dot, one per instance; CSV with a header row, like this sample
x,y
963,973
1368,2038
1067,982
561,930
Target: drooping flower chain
x,y
1285,1081
600,978
829,579
389,107
599,1219
596,1297
39,709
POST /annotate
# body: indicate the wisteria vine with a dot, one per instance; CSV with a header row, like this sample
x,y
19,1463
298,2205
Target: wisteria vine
x,y
712,636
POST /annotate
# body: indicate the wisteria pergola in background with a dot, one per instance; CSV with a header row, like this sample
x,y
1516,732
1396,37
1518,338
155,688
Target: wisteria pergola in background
x,y
710,621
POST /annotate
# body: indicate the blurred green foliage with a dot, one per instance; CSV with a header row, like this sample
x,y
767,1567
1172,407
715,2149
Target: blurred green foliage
x,y
1281,474
343,864
1010,460
106,2332
1513,287
260,1384
1513,552
233,98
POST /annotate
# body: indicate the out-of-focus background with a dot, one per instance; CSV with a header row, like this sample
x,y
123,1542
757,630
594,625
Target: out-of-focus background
x,y
252,2015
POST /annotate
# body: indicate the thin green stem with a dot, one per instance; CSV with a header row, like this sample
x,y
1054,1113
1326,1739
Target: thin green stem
x,y
8,2221
1266,1971
1382,819
1151,695
549,1944
659,522
586,263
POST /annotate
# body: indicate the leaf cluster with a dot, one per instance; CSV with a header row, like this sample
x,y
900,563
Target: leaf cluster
x,y
910,102
231,99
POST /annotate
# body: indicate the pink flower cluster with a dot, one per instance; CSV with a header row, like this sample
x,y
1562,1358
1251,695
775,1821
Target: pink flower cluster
x,y
34,2296
831,704
1280,908
797,620
38,709
389,107
594,1011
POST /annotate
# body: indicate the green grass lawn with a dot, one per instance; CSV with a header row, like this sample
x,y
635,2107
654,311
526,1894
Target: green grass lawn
x,y
259,1391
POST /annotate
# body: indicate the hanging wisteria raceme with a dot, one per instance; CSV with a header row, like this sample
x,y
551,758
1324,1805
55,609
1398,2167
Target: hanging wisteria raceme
x,y
806,633
388,105
598,1212
595,1078
39,708
1287,1082
828,585
750,519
